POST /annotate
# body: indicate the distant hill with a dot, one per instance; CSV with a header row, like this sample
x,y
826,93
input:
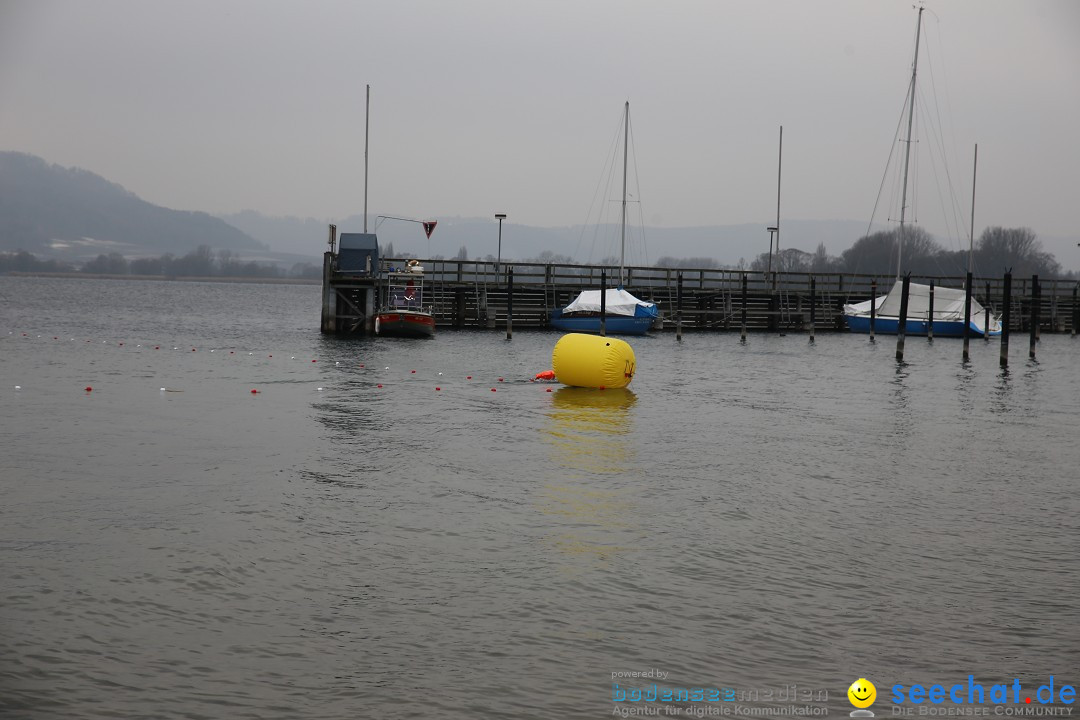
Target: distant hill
x,y
306,236
73,214
725,243
728,245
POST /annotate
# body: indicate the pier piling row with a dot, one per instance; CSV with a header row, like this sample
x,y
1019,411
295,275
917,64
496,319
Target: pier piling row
x,y
474,294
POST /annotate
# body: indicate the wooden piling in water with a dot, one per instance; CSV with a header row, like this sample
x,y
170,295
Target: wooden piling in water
x,y
1055,320
485,298
329,306
461,301
813,316
873,308
901,324
678,306
773,316
986,320
743,338
967,316
1076,313
603,303
1034,330
1006,300
1037,301
510,304
930,316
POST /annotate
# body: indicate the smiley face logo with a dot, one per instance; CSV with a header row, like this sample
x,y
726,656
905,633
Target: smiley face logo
x,y
862,693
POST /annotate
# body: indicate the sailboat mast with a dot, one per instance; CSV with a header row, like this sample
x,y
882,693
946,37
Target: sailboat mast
x,y
971,245
779,171
626,146
367,110
907,154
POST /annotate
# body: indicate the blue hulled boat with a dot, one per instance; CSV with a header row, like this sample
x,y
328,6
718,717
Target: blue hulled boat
x,y
624,314
948,314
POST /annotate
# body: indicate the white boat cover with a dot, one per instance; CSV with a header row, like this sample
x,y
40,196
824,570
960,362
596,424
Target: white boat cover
x,y
616,302
948,303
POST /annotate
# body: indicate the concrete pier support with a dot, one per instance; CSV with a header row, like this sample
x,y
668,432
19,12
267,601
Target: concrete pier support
x,y
329,297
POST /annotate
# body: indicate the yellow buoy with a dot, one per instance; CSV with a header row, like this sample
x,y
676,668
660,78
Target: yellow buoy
x,y
593,361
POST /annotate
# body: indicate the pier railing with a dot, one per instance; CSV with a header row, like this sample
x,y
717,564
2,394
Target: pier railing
x,y
471,293
586,276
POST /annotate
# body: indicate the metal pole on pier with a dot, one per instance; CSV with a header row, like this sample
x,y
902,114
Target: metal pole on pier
x,y
367,113
901,325
743,338
510,304
1036,297
498,258
813,310
967,315
1006,299
930,316
603,303
678,307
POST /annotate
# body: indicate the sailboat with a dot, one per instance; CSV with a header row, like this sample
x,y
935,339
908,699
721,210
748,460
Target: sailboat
x,y
883,312
621,312
948,313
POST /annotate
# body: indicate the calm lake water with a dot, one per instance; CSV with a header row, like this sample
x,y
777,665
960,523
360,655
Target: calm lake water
x,y
747,516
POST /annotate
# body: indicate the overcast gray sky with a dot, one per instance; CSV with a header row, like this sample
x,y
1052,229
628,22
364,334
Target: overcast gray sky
x,y
485,106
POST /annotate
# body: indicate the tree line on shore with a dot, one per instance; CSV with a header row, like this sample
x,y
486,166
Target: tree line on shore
x,y
201,262
997,250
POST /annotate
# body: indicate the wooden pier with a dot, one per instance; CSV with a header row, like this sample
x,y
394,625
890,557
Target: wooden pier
x,y
472,294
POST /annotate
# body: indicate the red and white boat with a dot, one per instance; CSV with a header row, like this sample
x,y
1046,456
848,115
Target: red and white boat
x,y
403,312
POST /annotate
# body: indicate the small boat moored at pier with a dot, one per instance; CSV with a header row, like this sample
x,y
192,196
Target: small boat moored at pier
x,y
403,313
948,314
624,314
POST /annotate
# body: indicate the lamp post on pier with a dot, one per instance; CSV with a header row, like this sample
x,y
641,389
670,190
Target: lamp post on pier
x,y
498,258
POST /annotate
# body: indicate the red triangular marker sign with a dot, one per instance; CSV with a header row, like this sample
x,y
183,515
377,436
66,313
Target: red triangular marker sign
x,y
429,226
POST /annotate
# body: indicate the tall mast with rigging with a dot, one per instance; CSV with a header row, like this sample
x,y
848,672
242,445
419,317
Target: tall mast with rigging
x,y
971,241
779,171
907,153
367,108
626,147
